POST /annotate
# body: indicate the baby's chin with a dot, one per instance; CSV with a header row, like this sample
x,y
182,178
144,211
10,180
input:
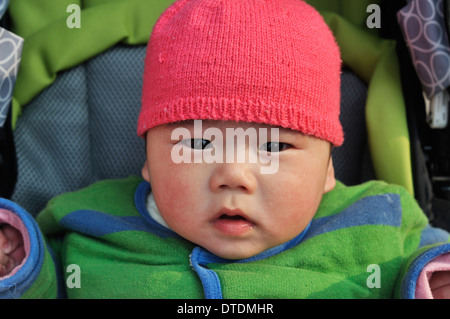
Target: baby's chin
x,y
234,256
235,252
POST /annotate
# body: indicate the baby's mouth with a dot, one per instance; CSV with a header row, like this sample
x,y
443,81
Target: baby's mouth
x,y
233,222
235,217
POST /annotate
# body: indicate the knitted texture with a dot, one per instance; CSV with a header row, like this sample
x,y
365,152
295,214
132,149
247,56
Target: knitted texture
x,y
265,61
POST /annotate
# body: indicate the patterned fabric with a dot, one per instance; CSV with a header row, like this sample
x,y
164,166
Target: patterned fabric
x,y
423,26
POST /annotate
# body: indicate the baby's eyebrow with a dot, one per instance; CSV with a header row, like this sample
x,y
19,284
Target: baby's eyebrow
x,y
181,123
290,132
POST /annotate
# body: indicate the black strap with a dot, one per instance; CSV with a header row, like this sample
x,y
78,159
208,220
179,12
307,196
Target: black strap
x,y
441,213
8,160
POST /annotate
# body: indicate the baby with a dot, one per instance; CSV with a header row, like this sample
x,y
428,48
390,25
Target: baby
x,y
240,111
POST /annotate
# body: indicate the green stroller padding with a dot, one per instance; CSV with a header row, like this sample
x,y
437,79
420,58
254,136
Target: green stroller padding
x,y
375,61
354,11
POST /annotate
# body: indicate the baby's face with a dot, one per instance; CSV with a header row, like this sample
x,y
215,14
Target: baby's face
x,y
230,207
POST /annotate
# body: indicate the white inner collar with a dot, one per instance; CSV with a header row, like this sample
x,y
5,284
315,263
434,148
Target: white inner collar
x,y
154,211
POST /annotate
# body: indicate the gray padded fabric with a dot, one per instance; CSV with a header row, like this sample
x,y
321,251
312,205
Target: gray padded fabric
x,y
82,129
352,160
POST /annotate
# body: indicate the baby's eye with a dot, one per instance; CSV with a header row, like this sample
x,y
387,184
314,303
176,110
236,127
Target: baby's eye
x,y
197,143
275,146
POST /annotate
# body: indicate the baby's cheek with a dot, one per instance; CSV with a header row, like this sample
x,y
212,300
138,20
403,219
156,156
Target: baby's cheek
x,y
174,195
294,210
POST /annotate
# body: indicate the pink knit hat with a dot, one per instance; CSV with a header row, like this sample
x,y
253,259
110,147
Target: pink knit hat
x,y
266,61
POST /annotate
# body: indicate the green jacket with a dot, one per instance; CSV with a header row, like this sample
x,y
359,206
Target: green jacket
x,y
367,241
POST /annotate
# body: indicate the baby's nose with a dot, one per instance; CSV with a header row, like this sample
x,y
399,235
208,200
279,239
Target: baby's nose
x,y
233,176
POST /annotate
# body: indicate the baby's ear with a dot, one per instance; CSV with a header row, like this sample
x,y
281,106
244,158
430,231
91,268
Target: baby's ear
x,y
144,172
330,180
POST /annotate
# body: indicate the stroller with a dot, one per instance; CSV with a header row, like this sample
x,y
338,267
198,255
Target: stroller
x,y
72,115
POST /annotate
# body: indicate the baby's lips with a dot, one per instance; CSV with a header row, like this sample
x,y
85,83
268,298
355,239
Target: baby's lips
x,y
233,222
233,214
233,227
